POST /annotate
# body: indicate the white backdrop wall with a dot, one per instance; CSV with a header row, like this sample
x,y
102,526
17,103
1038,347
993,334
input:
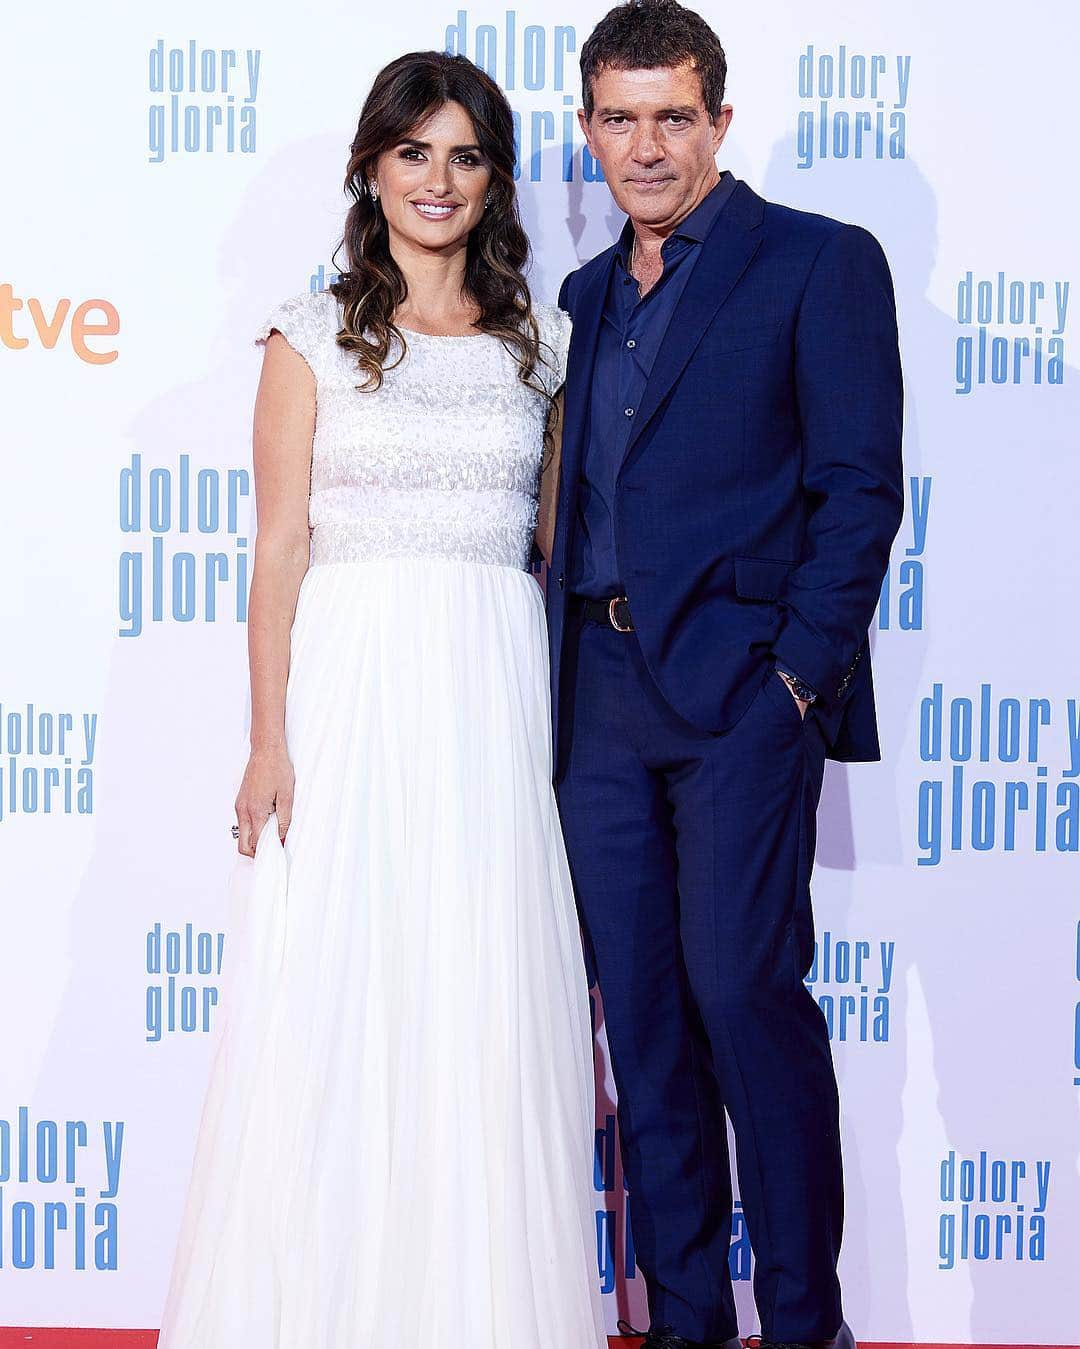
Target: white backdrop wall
x,y
172,172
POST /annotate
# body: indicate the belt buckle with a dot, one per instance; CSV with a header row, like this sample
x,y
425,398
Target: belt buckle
x,y
618,599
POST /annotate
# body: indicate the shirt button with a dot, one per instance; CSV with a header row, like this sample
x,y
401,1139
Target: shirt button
x,y
631,344
629,411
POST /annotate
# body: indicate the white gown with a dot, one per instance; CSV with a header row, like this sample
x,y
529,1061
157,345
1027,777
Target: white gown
x,y
396,1146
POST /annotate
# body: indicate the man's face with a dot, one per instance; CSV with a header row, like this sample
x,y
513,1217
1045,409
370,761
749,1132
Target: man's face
x,y
655,141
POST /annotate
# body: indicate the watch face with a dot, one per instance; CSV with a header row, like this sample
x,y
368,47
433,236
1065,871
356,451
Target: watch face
x,y
798,688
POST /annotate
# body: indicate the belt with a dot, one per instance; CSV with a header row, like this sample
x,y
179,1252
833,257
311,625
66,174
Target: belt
x,y
612,613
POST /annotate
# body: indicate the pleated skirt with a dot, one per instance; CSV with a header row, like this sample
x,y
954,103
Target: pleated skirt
x,y
396,1144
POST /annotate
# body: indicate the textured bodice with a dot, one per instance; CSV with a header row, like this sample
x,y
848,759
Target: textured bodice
x,y
442,460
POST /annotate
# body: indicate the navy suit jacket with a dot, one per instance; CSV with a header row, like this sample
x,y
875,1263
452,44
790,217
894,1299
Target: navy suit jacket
x,y
761,487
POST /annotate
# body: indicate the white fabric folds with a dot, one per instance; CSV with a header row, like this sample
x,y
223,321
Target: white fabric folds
x,y
396,1148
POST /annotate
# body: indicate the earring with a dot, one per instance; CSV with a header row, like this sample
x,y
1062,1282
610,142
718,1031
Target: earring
x,y
373,188
488,200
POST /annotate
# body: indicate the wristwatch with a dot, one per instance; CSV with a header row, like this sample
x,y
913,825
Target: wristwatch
x,y
801,691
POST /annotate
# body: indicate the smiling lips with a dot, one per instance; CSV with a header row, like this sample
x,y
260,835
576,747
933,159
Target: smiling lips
x,y
435,210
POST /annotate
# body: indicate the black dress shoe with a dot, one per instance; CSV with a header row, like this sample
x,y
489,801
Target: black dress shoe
x,y
790,1344
663,1337
756,1342
842,1339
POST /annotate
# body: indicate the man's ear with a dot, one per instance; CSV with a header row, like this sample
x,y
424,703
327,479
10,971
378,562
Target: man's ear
x,y
720,125
583,122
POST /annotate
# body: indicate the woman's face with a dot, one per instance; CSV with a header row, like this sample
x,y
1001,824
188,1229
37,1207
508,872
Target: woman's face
x,y
432,185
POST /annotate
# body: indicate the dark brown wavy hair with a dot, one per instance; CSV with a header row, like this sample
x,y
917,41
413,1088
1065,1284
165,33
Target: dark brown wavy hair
x,y
405,93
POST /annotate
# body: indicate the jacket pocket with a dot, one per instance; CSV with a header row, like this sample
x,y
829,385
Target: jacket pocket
x,y
761,578
721,340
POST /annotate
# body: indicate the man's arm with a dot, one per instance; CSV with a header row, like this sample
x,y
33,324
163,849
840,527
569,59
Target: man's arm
x,y
850,400
564,293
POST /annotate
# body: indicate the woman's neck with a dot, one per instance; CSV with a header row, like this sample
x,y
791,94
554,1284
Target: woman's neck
x,y
436,300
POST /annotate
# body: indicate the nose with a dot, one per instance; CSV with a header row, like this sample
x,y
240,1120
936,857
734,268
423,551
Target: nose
x,y
438,177
646,148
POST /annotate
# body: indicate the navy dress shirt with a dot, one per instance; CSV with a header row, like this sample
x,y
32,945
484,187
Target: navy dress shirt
x,y
631,332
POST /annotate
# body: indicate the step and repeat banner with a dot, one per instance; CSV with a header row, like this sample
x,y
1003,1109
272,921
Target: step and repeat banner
x,y
172,172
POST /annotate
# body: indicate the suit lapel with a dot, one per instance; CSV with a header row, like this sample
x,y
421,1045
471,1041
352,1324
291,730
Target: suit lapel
x,y
725,255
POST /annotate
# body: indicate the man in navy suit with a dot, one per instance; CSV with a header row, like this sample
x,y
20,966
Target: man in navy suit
x,y
731,485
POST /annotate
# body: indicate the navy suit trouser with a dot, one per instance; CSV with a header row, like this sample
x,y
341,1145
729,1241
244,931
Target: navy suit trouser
x,y
691,856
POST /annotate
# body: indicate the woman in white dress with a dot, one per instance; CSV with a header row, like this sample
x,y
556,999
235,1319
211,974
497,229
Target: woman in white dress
x,y
396,1146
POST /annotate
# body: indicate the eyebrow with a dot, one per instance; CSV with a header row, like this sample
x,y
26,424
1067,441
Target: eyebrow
x,y
426,145
684,110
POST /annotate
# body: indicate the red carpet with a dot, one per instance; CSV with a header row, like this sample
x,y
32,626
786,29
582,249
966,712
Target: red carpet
x,y
13,1337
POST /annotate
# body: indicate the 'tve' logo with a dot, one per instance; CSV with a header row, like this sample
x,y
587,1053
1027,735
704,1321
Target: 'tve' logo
x,y
50,327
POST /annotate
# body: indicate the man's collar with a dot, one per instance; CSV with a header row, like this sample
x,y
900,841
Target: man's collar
x,y
695,226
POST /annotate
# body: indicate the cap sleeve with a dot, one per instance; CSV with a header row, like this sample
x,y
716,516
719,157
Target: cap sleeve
x,y
555,328
302,322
